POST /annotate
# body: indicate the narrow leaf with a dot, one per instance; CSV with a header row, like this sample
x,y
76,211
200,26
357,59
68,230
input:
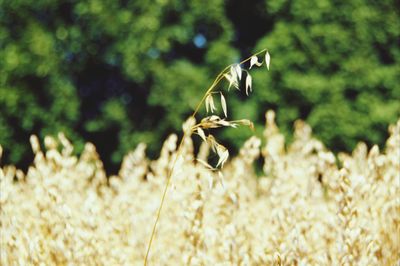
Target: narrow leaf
x,y
223,104
233,73
212,142
248,84
230,79
267,59
223,155
238,70
205,164
201,133
211,103
224,123
233,78
254,61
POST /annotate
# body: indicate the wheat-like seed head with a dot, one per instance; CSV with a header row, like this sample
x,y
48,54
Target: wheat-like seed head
x,y
233,75
305,210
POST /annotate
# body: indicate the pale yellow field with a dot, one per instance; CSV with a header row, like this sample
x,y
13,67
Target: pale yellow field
x,y
304,210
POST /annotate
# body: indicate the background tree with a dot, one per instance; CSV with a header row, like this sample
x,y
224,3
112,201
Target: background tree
x,y
120,72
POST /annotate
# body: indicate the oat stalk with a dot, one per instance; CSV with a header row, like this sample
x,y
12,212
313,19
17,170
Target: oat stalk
x,y
231,73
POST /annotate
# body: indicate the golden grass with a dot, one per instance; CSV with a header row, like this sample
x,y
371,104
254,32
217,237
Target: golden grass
x,y
232,73
304,210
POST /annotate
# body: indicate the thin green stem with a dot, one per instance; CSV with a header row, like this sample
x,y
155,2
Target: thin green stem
x,y
219,77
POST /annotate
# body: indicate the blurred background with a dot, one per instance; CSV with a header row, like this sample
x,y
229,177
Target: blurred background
x,y
121,72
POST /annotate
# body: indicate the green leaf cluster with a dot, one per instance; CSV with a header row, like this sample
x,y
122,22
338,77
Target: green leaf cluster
x,y
121,72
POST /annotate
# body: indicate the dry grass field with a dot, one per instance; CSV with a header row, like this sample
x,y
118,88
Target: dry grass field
x,y
310,207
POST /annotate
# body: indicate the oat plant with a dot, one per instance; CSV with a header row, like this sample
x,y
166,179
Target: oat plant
x,y
233,74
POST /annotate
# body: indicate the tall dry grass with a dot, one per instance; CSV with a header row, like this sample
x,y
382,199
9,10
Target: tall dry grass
x,y
234,74
304,210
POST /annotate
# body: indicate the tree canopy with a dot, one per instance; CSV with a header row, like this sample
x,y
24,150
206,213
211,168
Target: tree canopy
x,y
122,72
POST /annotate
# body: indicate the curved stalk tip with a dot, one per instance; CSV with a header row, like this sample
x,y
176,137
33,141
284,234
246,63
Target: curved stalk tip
x,y
219,77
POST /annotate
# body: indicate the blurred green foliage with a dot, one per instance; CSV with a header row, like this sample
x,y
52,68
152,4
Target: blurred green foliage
x,y
120,72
